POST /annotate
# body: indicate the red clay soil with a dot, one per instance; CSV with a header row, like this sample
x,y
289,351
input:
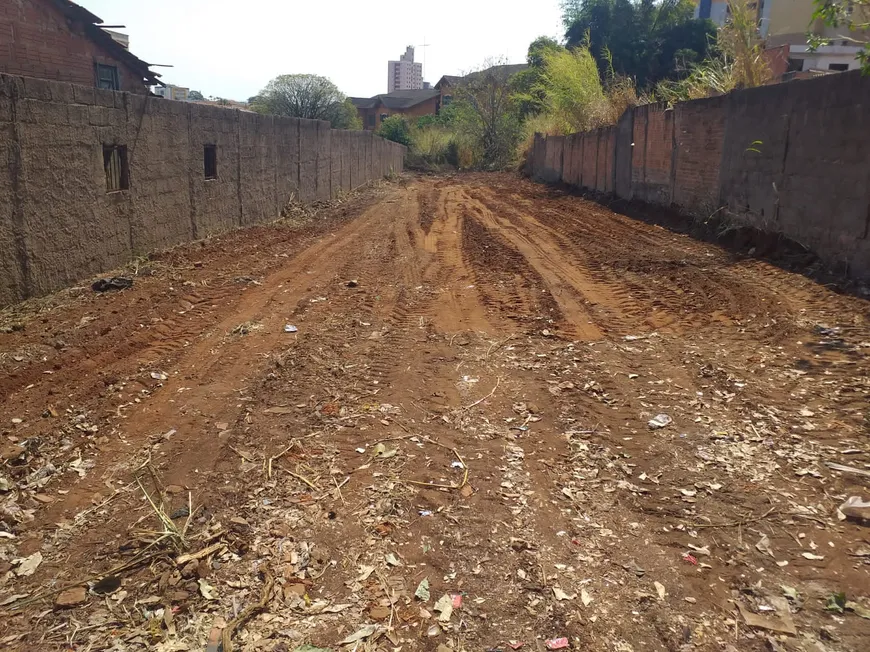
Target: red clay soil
x,y
451,451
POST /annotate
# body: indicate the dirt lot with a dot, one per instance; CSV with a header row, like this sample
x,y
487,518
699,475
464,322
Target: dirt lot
x,y
452,451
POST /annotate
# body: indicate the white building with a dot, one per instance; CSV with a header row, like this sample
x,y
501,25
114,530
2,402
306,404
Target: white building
x,y
786,23
404,74
171,92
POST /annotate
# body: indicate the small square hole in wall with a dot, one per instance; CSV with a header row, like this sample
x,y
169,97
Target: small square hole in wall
x,y
116,167
209,159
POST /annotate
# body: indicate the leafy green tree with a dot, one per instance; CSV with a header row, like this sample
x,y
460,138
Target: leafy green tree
x,y
525,85
397,129
853,15
640,39
306,96
196,96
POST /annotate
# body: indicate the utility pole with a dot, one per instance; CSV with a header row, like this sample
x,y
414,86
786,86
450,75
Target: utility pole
x,y
424,46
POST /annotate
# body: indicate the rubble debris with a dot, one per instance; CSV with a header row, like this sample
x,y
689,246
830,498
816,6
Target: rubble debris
x,y
71,597
856,507
113,283
783,624
28,565
660,421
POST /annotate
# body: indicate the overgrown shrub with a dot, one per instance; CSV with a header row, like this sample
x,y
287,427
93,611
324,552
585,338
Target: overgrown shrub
x,y
397,129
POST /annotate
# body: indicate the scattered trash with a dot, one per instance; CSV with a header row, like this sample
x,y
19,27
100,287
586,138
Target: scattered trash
x,y
290,328
855,507
811,556
857,609
444,606
384,453
425,512
557,643
360,634
352,284
836,602
392,560
782,624
689,559
660,589
159,375
585,598
515,645
422,592
433,631
789,592
457,600
206,590
108,585
114,283
28,565
559,594
660,421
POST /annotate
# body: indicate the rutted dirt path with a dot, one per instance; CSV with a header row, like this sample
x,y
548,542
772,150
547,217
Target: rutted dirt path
x,y
464,405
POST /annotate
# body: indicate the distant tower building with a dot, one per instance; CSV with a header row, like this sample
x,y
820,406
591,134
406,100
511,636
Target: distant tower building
x,y
404,74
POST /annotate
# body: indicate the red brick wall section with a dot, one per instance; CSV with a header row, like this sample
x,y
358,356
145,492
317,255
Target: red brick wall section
x,y
659,154
700,130
36,40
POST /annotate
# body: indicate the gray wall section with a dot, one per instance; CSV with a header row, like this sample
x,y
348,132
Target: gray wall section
x,y
789,158
58,224
797,157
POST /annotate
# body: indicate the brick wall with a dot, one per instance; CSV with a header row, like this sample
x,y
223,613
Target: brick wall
x,y
58,223
700,128
790,158
37,40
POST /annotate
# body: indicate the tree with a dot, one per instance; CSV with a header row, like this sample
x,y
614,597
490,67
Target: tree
x,y
305,96
525,85
640,39
396,128
854,15
572,90
196,96
486,112
739,61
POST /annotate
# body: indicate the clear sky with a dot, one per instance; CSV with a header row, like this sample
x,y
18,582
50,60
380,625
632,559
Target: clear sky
x,y
231,49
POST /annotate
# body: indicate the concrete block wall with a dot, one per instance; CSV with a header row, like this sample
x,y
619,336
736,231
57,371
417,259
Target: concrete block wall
x,y
58,223
789,158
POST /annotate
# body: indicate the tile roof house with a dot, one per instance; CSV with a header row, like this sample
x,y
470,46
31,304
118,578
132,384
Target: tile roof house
x,y
411,103
448,83
62,41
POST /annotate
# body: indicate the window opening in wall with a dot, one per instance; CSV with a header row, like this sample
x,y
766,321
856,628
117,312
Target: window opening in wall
x,y
115,165
209,159
372,119
384,116
840,67
107,77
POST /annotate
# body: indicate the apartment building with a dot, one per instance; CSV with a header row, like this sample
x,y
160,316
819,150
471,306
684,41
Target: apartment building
x,y
405,74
